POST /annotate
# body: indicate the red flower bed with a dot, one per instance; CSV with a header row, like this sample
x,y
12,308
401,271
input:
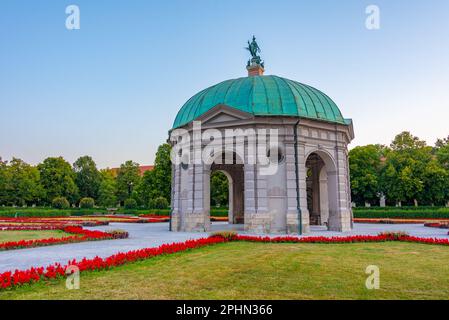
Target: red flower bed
x,y
80,236
156,218
346,239
444,225
152,215
36,222
30,227
19,277
320,239
388,221
215,219
86,221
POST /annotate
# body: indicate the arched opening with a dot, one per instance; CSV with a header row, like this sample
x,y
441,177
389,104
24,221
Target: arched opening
x,y
220,188
226,187
234,177
321,185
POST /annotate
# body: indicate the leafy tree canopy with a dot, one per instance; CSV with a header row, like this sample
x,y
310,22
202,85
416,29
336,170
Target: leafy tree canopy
x,y
219,189
58,179
108,189
128,178
365,167
87,177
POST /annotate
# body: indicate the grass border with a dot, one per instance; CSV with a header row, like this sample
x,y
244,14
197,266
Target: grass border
x,y
18,278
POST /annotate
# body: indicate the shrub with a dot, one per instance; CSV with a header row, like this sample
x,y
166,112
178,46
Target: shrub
x,y
48,212
60,203
87,203
402,213
130,203
219,212
118,233
396,235
227,235
158,203
442,225
159,212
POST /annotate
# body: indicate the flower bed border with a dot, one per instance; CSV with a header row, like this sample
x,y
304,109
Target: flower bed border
x,y
439,225
397,220
344,239
80,235
35,274
59,222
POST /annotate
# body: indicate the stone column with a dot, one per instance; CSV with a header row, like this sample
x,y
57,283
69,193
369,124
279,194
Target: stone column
x,y
262,221
257,217
303,187
175,200
250,194
346,203
292,204
324,197
237,190
230,198
315,218
349,196
341,219
196,217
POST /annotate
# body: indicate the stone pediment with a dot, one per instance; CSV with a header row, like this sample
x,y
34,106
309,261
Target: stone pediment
x,y
223,115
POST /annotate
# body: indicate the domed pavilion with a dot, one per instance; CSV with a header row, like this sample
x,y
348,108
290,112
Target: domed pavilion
x,y
305,148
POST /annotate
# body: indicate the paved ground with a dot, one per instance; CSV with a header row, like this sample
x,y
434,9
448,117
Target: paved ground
x,y
155,234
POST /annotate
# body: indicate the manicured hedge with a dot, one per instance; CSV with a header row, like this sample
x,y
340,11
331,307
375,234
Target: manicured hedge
x,y
373,212
403,213
50,212
219,212
403,208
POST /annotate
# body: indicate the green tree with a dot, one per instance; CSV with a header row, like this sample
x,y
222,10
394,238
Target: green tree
x,y
406,162
128,179
130,203
365,166
389,183
87,203
219,189
4,181
162,172
405,141
442,152
158,203
60,203
58,179
107,190
435,184
147,189
24,186
87,177
157,182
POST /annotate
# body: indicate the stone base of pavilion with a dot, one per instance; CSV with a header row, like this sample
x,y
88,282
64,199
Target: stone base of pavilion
x,y
417,230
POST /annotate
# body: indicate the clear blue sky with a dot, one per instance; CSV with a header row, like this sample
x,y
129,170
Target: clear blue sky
x,y
112,89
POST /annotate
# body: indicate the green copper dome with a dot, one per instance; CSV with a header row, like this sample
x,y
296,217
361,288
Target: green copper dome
x,y
263,96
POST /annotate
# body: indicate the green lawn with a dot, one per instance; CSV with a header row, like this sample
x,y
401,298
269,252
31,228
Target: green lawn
x,y
6,236
243,270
